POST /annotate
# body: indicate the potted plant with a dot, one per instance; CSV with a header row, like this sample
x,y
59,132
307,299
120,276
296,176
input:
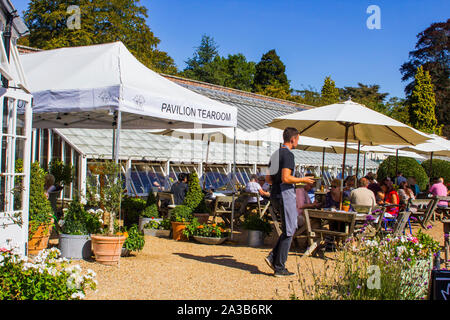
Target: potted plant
x,y
206,233
40,212
257,229
107,195
346,205
158,229
135,240
181,215
63,174
195,199
149,214
77,225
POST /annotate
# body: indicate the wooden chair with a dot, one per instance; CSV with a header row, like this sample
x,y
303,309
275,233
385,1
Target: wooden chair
x,y
422,215
319,233
223,209
443,212
245,205
399,225
446,224
165,201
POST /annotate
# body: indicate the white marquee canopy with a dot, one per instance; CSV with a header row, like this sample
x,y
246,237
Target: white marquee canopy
x,y
81,87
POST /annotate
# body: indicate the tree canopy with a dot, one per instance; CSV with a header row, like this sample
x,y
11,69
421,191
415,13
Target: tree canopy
x,y
101,21
329,92
270,74
431,52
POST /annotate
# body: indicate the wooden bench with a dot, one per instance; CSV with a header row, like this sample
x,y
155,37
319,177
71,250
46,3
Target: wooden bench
x,y
316,235
399,225
446,224
425,209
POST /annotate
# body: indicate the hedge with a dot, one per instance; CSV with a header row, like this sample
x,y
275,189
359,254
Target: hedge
x,y
441,168
409,167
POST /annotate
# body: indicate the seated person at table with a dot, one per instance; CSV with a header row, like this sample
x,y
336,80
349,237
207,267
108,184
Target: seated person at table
x,y
349,185
255,187
179,189
390,197
264,185
362,196
405,193
412,183
438,189
304,201
333,197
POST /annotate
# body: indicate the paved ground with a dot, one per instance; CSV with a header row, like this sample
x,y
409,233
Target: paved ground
x,y
168,269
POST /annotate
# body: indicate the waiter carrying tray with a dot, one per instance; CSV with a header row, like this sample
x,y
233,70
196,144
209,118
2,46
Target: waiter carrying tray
x,y
283,199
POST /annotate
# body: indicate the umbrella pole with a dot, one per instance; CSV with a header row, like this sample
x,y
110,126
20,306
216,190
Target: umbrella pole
x,y
357,161
396,166
431,168
233,179
364,165
323,164
343,167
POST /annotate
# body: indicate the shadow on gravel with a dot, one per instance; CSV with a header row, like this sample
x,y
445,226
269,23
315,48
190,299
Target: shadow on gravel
x,y
224,260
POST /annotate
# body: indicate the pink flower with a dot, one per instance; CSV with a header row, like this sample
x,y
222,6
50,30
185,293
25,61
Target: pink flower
x,y
414,240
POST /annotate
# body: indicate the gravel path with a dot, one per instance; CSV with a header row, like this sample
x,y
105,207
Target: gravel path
x,y
174,270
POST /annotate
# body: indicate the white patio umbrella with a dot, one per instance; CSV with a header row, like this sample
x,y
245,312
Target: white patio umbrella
x,y
436,146
350,122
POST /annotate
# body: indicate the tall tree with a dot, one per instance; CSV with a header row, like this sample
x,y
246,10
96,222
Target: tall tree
x,y
398,109
101,21
329,93
422,103
270,72
367,95
203,56
240,72
432,53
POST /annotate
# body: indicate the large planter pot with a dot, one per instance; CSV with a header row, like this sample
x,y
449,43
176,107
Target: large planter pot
x,y
202,217
157,233
143,221
75,246
210,240
177,231
255,238
39,240
107,249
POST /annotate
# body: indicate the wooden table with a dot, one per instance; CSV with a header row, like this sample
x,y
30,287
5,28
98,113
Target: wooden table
x,y
446,224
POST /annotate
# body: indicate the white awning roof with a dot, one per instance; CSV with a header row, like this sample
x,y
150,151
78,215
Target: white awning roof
x,y
81,87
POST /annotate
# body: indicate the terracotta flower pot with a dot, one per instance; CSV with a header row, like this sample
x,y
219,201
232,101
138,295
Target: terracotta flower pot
x,y
107,249
177,231
39,240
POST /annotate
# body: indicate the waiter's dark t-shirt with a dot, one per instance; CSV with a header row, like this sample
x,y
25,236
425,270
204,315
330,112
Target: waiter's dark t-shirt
x,y
285,159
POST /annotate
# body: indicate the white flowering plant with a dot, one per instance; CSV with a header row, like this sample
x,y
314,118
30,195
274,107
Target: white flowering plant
x,y
46,277
78,221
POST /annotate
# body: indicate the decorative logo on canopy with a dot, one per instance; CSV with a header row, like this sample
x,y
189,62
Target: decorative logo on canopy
x,y
105,96
139,100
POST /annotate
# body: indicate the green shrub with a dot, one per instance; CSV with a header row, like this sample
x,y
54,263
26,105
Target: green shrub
x,y
135,240
40,211
78,221
441,168
254,222
132,208
150,212
62,172
151,199
181,213
47,277
195,198
408,166
162,225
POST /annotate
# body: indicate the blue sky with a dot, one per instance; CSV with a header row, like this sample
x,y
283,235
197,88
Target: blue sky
x,y
313,38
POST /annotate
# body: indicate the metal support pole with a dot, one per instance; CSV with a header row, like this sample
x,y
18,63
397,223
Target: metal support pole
x,y
233,179
343,167
431,169
357,162
396,166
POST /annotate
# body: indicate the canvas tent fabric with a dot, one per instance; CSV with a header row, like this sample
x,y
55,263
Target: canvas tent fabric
x,y
437,145
81,87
